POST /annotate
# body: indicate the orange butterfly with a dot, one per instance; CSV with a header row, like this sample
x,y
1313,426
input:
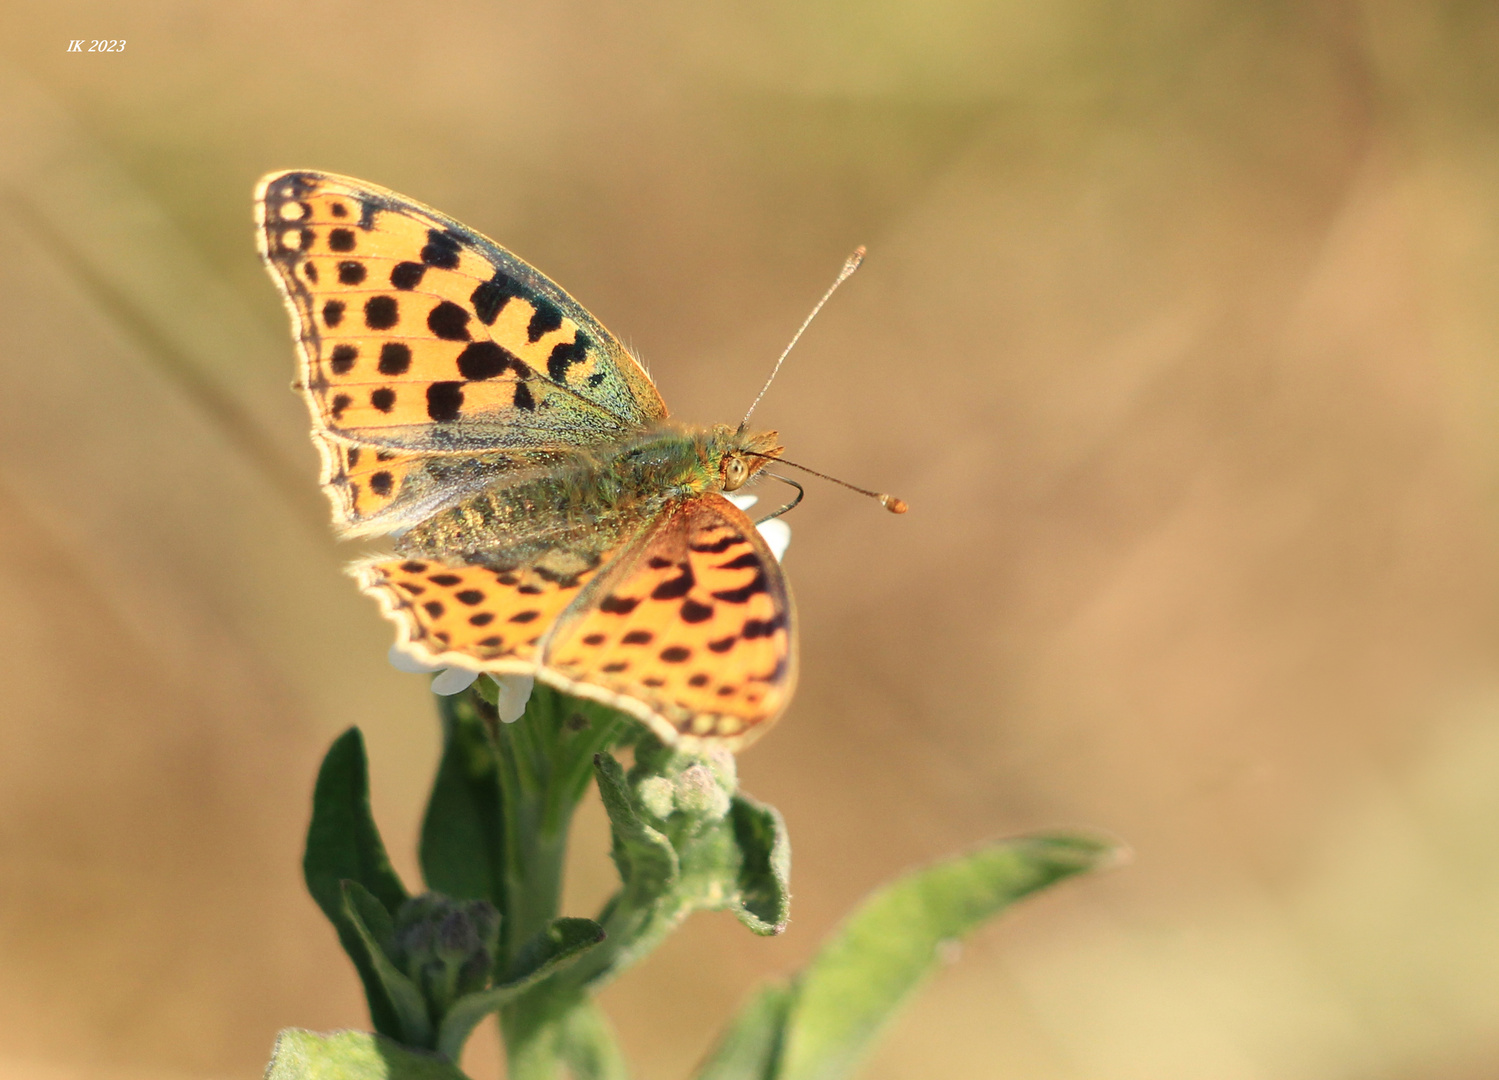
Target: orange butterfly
x,y
551,521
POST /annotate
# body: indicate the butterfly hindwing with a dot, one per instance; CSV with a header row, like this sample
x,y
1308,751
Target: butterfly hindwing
x,y
693,632
471,615
375,489
420,334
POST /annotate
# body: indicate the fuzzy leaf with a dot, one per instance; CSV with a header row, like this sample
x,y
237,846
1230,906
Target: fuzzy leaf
x,y
374,926
352,1055
462,852
550,951
898,935
750,1047
557,944
646,861
763,900
343,843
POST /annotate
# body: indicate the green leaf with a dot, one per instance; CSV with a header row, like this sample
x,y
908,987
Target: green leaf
x,y
646,861
550,951
462,845
563,940
374,926
648,867
352,1055
343,843
587,1044
342,839
750,1048
763,900
898,935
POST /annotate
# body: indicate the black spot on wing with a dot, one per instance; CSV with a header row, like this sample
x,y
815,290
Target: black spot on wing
x,y
383,399
444,400
490,297
381,483
619,605
441,250
693,612
741,562
395,358
719,546
758,628
544,320
350,272
407,275
341,240
449,321
343,359
485,360
741,595
677,587
523,398
333,313
381,312
565,356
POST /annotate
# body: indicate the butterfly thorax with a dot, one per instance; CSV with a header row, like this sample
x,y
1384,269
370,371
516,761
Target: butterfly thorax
x,y
593,498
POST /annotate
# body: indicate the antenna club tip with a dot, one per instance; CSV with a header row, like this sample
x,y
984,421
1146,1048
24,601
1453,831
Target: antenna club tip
x,y
894,505
853,262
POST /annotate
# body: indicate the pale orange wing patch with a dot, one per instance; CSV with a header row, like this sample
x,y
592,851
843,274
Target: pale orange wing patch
x,y
470,616
364,482
696,638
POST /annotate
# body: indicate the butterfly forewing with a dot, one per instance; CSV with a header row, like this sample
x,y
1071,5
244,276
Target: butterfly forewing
x,y
419,335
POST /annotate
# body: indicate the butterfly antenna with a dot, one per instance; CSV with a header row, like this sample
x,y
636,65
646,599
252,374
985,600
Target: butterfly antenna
x,y
889,502
849,266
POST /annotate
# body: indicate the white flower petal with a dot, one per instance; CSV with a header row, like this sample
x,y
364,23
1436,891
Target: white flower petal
x,y
515,691
777,534
744,502
402,660
454,680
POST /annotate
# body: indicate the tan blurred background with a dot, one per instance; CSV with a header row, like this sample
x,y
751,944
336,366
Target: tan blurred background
x,y
1179,331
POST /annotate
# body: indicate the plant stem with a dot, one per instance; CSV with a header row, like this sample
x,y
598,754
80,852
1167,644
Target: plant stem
x,y
545,762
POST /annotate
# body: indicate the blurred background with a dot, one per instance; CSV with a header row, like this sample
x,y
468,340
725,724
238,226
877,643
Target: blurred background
x,y
1178,331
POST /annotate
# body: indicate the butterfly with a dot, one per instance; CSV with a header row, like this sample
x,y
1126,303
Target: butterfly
x,y
549,518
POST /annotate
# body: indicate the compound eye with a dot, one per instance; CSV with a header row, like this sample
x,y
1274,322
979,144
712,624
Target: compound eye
x,y
735,473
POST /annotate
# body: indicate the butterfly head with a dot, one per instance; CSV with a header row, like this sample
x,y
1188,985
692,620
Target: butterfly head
x,y
737,455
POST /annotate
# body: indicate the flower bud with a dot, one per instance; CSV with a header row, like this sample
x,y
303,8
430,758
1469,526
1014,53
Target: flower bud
x,y
445,946
699,793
